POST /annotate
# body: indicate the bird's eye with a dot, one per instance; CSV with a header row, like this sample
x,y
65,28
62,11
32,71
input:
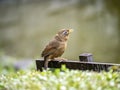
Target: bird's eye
x,y
65,33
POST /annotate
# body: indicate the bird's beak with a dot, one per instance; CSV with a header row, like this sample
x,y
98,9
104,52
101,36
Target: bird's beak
x,y
71,30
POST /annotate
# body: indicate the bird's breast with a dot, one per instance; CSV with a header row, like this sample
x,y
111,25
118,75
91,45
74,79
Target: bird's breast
x,y
60,50
63,45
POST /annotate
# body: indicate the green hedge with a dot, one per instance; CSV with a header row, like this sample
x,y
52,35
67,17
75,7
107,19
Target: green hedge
x,y
60,79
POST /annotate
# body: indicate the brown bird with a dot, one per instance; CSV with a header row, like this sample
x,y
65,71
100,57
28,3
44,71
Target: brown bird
x,y
56,47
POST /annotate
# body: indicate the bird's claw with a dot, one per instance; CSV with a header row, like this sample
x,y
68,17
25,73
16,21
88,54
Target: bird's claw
x,y
61,59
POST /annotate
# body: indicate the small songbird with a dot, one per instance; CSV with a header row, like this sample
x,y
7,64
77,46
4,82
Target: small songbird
x,y
56,47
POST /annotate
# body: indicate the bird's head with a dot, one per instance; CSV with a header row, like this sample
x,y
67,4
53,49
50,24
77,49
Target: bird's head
x,y
64,34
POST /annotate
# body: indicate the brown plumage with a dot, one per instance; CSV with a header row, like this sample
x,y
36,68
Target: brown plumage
x,y
56,46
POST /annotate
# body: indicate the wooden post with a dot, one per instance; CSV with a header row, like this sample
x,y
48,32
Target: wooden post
x,y
86,57
85,63
39,64
77,65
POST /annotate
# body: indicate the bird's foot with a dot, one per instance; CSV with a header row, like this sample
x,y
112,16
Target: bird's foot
x,y
61,59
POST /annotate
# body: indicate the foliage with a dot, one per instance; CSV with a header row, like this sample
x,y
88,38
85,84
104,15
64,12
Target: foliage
x,y
6,64
60,79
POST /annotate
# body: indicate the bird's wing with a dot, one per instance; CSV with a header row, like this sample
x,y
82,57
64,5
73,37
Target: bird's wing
x,y
50,48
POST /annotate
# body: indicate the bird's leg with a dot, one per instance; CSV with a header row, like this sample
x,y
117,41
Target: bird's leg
x,y
46,60
60,59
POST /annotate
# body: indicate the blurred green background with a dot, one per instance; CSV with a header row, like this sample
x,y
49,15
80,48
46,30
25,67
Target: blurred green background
x,y
26,26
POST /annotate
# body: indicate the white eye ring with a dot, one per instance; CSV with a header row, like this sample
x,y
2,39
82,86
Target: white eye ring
x,y
64,32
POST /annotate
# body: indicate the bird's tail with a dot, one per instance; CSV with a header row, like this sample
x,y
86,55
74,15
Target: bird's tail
x,y
46,62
